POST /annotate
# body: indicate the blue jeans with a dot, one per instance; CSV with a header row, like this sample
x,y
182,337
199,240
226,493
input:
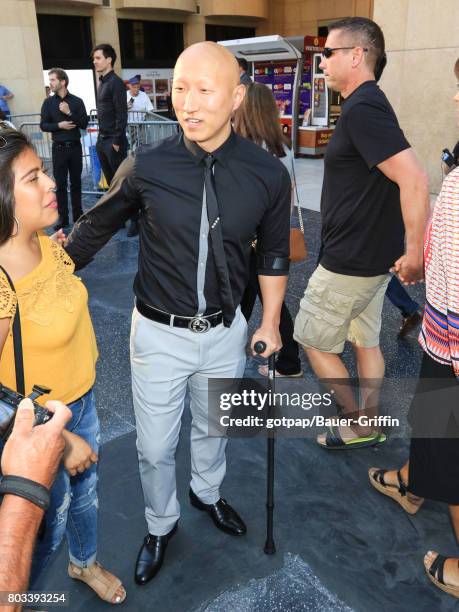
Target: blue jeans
x,y
400,298
73,505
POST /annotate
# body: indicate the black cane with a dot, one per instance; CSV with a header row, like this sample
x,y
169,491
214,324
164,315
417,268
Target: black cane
x,y
270,547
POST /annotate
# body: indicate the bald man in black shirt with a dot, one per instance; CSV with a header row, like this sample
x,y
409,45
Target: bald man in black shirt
x,y
202,196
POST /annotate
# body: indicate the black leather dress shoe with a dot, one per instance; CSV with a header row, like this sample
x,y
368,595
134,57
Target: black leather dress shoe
x,y
222,514
151,556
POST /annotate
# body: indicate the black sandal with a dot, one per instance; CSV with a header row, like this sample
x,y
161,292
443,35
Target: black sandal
x,y
398,494
334,441
436,574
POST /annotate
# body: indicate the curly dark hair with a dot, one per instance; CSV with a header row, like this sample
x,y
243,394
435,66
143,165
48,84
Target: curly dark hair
x,y
12,144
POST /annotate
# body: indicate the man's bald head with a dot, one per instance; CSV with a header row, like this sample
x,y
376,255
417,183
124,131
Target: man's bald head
x,y
205,93
214,56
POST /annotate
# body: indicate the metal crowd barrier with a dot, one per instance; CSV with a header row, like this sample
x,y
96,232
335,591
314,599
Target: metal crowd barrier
x,y
27,118
138,133
134,116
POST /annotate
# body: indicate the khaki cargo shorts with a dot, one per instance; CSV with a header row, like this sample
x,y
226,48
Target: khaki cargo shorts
x,y
337,307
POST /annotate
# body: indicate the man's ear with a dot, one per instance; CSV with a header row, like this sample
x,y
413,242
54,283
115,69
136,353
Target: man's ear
x,y
238,96
357,56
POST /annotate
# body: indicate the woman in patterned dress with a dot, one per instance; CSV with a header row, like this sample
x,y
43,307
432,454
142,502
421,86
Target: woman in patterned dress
x,y
433,468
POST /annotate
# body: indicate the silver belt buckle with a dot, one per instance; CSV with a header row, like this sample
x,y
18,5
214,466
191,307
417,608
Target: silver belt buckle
x,y
199,325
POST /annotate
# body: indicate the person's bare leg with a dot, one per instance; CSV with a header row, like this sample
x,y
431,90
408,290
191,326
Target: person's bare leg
x,y
390,477
454,514
404,472
330,366
370,367
451,567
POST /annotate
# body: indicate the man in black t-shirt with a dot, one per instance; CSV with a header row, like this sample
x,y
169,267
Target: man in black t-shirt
x,y
374,197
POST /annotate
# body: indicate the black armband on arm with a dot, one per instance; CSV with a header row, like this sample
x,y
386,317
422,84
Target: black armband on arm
x,y
272,266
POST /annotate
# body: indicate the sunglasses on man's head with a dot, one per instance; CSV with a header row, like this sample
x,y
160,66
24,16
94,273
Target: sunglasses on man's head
x,y
328,51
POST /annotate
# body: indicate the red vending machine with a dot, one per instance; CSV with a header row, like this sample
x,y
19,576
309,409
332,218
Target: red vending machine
x,y
290,68
314,130
280,78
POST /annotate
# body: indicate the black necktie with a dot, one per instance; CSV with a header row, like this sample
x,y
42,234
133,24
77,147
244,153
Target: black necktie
x,y
218,249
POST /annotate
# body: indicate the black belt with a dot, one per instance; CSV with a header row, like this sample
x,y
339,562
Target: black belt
x,y
66,144
198,324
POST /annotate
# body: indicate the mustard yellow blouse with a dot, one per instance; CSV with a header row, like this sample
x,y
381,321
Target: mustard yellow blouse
x,y
58,341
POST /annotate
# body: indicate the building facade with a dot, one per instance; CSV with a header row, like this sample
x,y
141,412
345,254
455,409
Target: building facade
x,y
422,38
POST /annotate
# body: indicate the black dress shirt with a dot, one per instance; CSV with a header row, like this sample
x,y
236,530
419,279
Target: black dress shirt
x,y
165,181
51,116
112,107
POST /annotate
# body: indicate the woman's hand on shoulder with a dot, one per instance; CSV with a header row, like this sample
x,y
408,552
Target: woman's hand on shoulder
x,y
78,455
59,237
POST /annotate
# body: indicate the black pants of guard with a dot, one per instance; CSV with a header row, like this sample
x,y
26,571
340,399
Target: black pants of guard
x,y
110,159
67,162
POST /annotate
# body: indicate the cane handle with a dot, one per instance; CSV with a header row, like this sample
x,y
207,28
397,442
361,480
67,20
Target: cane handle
x,y
259,347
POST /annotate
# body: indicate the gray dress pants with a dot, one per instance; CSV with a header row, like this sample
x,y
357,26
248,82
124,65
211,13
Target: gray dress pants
x,y
165,361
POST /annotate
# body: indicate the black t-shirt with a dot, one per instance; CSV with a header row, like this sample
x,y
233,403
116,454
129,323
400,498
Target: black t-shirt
x,y
362,224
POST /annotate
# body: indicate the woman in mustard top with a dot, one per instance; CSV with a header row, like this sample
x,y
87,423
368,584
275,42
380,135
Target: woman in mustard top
x,y
59,351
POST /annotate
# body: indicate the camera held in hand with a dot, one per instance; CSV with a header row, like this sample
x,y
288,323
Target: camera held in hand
x,y
9,402
447,158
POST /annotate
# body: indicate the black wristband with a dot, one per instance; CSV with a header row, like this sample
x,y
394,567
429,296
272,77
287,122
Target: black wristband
x,y
28,489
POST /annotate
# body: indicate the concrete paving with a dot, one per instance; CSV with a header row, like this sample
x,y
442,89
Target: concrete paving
x,y
340,546
309,177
